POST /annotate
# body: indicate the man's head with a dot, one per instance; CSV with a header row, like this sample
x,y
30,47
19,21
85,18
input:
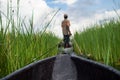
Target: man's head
x,y
65,16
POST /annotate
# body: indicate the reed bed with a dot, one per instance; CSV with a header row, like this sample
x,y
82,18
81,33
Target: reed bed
x,y
100,43
20,45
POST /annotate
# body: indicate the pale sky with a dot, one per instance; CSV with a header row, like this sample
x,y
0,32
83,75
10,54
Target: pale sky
x,y
82,13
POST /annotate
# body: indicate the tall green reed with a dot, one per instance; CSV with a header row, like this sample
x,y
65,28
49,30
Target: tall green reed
x,y
101,42
19,44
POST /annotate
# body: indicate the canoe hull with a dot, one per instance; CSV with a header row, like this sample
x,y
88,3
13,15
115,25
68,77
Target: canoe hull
x,y
91,70
86,70
41,70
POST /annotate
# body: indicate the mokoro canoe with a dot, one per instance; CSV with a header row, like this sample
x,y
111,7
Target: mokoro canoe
x,y
85,70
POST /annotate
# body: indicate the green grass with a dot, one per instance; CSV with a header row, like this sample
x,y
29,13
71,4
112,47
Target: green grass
x,y
20,45
101,43
18,51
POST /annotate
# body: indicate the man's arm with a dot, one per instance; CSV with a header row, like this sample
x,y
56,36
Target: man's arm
x,y
68,23
68,27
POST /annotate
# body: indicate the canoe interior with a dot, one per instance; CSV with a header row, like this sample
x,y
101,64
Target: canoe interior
x,y
91,70
41,70
86,70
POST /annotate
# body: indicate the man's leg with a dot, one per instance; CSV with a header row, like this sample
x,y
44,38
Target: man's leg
x,y
65,40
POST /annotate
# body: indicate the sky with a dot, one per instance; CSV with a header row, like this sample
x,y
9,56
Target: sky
x,y
81,13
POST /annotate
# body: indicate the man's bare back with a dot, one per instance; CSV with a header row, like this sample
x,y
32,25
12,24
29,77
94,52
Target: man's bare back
x,y
65,27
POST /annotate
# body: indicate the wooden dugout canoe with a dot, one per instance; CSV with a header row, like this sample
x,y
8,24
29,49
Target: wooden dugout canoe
x,y
86,70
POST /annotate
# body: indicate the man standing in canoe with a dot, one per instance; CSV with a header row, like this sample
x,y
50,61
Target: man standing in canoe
x,y
66,31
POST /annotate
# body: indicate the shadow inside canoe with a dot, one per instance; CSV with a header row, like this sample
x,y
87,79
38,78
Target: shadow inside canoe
x,y
41,70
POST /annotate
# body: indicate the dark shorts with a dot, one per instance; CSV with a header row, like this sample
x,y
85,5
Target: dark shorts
x,y
66,39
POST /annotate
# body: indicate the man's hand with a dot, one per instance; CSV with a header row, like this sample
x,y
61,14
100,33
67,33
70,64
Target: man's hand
x,y
69,34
